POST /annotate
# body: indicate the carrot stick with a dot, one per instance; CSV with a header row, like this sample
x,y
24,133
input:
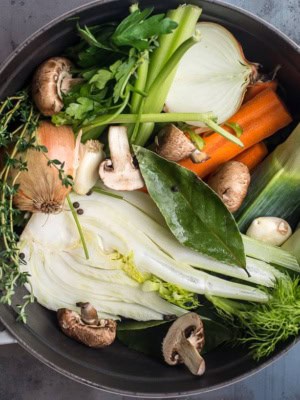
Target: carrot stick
x,y
259,118
253,156
258,87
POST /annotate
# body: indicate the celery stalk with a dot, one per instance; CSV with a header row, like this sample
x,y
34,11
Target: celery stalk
x,y
186,16
166,58
275,186
159,89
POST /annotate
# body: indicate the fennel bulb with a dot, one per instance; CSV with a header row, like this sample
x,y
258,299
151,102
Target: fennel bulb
x,y
127,273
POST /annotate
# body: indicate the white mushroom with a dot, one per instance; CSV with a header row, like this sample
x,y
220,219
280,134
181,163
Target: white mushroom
x,y
272,230
184,342
52,79
119,172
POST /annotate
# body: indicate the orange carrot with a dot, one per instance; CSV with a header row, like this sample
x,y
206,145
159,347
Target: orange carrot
x,y
259,118
258,87
253,156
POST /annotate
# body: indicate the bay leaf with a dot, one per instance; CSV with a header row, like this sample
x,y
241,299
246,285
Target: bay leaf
x,y
193,212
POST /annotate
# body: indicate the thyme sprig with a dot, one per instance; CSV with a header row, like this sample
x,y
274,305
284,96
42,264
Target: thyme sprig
x,y
18,122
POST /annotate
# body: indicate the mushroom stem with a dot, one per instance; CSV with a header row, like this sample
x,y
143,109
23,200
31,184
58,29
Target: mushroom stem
x,y
88,313
119,172
119,147
66,83
191,357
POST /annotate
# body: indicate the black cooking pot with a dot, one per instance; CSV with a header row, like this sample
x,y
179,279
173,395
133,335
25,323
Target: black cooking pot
x,y
117,369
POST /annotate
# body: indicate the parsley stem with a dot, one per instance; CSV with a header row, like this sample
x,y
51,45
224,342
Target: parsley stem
x,y
151,117
144,118
90,132
221,131
137,100
73,211
140,83
207,118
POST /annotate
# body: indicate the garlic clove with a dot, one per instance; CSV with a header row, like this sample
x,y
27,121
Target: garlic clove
x,y
272,230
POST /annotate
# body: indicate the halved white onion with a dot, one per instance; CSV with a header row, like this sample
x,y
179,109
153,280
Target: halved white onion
x,y
212,76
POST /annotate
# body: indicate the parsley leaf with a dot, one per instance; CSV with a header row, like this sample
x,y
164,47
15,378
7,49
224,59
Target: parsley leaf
x,y
123,74
80,109
136,29
101,78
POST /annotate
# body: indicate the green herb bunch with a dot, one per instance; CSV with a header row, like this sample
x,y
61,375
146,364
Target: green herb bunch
x,y
107,59
18,122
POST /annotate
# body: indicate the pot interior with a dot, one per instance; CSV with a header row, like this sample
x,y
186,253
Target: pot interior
x,y
117,368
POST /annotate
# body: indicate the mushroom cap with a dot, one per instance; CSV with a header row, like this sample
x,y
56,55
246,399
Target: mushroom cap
x,y
187,328
47,82
231,181
101,335
128,179
173,145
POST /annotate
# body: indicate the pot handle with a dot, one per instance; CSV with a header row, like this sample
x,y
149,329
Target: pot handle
x,y
5,336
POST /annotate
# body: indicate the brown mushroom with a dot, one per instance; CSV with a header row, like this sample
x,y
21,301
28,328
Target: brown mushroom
x,y
99,334
184,342
119,172
172,144
231,181
51,79
89,313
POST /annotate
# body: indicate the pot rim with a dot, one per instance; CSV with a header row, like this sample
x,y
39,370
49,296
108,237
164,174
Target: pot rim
x,y
86,6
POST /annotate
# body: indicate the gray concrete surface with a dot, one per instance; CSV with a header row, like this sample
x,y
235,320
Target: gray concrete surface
x,y
24,378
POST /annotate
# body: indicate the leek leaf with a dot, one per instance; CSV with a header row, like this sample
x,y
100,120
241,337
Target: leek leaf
x,y
193,212
275,185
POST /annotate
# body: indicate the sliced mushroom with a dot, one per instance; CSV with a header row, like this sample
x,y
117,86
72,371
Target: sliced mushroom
x,y
119,172
172,144
231,181
51,79
184,342
86,328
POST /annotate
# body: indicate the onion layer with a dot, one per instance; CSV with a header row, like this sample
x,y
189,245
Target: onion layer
x,y
41,189
212,76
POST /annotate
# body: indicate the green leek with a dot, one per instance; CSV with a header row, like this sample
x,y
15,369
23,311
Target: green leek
x,y
275,186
